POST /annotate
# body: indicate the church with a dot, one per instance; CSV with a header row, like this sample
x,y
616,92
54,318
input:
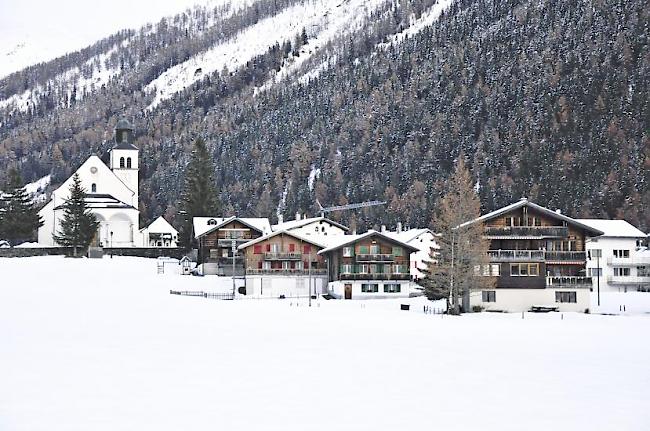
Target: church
x,y
112,195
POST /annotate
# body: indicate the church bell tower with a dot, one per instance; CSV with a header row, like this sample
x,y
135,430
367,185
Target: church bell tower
x,y
124,158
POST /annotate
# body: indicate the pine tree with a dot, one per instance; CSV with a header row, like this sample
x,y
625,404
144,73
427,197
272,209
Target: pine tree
x,y
463,248
19,217
79,225
199,197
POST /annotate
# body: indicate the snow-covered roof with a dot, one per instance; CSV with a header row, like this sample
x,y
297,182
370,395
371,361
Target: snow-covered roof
x,y
408,235
102,200
294,234
343,240
294,224
614,228
160,225
525,202
204,225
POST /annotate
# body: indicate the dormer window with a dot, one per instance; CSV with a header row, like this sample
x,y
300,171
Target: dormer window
x,y
121,162
212,222
93,188
128,162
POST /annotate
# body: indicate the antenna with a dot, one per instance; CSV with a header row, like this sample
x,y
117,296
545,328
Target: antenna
x,y
347,207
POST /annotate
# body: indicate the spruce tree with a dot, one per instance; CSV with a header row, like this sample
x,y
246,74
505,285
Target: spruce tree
x,y
79,225
463,249
199,197
19,217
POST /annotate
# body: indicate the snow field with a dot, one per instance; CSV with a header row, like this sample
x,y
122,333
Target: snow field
x,y
102,345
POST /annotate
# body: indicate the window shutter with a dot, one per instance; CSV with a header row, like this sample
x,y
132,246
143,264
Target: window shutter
x,y
292,248
307,249
257,249
268,247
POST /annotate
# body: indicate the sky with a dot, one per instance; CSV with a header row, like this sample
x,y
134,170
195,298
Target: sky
x,y
39,30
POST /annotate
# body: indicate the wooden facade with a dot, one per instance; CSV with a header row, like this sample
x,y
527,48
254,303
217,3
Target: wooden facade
x,y
216,246
284,253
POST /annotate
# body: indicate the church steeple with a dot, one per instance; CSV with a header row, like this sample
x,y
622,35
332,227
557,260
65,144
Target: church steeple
x,y
124,158
124,136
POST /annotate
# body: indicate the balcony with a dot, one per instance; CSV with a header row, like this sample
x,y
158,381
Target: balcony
x,y
627,261
375,276
516,255
628,279
536,256
508,232
287,272
273,255
568,281
566,256
375,258
227,242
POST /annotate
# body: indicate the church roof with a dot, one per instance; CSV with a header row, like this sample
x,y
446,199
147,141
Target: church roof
x,y
102,200
124,146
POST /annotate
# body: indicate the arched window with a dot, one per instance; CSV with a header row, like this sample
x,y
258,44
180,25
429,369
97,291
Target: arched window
x,y
121,162
128,162
93,188
212,222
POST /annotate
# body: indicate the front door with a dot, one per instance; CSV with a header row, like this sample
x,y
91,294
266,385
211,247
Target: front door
x,y
348,291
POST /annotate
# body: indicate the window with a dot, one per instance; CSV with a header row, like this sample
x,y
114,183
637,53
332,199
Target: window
x,y
363,249
363,269
392,288
292,248
212,222
622,254
347,268
621,272
298,265
93,188
399,269
348,251
513,221
369,288
595,253
398,251
566,297
285,264
489,295
128,162
266,265
643,271
374,249
306,249
492,270
121,162
257,249
275,248
596,272
524,269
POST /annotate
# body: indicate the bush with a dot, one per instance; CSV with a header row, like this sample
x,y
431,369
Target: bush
x,y
477,308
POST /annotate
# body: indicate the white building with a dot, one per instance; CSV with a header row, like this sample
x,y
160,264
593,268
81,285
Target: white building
x,y
422,239
159,234
313,226
112,195
616,260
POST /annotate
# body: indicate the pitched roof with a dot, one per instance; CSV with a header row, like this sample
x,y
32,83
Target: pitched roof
x,y
160,225
343,240
201,226
614,228
101,200
525,202
409,235
294,224
286,232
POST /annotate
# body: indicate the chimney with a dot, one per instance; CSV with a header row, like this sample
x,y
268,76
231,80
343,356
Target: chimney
x,y
298,216
399,227
559,211
383,228
280,219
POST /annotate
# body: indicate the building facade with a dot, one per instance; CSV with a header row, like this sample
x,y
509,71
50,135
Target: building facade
x,y
313,226
617,260
284,263
218,240
424,240
371,265
159,234
538,257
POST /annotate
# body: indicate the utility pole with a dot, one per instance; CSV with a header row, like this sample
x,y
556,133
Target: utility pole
x,y
309,272
598,276
233,246
451,284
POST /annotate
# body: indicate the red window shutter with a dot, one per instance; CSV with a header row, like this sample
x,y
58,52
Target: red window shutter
x,y
307,249
268,247
259,265
293,265
305,264
257,249
292,248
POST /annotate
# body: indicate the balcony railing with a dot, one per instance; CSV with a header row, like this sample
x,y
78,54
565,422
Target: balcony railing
x,y
272,255
536,256
627,261
629,279
573,256
568,281
227,242
534,231
375,258
374,276
313,271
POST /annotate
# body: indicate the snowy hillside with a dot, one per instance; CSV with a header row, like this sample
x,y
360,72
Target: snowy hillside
x,y
83,351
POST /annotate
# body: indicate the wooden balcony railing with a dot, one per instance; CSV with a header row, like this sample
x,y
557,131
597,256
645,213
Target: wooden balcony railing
x,y
272,255
568,281
375,258
536,256
313,271
374,276
534,231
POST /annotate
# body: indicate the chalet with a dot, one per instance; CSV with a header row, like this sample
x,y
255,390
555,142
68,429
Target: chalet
x,y
159,234
538,258
424,240
218,239
313,226
284,263
371,265
617,260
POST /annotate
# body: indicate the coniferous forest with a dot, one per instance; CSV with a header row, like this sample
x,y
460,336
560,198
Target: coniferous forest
x,y
547,100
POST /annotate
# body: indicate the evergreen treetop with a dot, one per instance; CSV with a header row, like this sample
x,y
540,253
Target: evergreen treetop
x,y
19,217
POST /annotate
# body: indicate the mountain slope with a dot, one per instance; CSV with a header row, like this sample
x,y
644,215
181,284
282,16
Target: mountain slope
x,y
545,100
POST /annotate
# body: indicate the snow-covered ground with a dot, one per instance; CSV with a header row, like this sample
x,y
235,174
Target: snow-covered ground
x,y
102,345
